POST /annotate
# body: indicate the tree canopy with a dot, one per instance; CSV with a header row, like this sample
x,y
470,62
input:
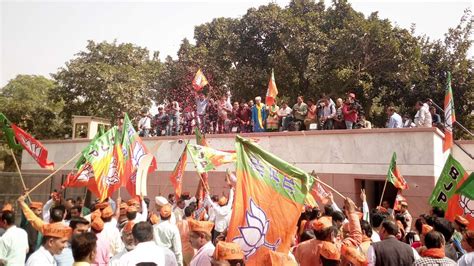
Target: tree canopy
x,y
312,48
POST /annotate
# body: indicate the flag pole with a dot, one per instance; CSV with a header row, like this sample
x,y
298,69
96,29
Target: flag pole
x,y
383,192
326,185
53,173
19,172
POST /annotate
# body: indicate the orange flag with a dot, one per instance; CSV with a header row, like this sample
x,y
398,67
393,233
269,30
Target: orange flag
x,y
272,91
199,81
269,198
176,176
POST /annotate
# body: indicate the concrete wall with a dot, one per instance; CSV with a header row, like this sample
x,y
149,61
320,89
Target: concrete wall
x,y
348,160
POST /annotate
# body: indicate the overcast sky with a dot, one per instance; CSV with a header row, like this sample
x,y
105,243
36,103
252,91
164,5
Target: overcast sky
x,y
39,37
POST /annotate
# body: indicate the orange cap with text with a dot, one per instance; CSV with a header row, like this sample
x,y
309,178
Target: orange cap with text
x,y
58,230
228,251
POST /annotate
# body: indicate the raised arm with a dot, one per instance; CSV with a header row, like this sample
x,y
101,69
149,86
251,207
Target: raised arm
x,y
35,221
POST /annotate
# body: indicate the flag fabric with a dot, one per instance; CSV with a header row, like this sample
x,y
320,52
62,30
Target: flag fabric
x,y
200,139
394,176
133,150
269,198
82,159
452,175
176,176
8,134
272,91
462,202
206,158
103,156
467,188
449,115
199,81
398,200
33,147
84,177
319,193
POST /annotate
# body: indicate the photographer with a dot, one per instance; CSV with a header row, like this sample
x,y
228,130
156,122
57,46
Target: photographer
x,y
350,111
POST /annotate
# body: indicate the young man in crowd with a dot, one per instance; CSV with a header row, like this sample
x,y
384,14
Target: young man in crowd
x,y
84,249
146,250
394,119
14,242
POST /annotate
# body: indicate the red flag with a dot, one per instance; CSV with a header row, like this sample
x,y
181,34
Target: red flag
x,y
176,176
199,81
84,177
319,193
33,147
272,91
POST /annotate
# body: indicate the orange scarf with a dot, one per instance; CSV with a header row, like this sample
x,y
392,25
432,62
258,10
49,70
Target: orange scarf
x,y
437,253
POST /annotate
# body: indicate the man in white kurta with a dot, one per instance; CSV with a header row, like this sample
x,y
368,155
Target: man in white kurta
x,y
167,234
14,242
222,210
200,238
146,249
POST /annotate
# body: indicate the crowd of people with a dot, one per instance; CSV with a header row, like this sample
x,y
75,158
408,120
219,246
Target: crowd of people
x,y
222,116
189,231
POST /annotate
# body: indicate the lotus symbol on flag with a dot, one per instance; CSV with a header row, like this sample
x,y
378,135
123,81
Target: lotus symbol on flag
x,y
253,235
467,204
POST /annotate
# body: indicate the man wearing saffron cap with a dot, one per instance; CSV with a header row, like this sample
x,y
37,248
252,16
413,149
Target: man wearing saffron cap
x,y
110,231
222,210
102,256
228,253
167,234
309,252
55,239
161,201
142,210
200,238
34,237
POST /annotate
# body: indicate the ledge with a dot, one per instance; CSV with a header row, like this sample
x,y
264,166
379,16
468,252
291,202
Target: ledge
x,y
289,133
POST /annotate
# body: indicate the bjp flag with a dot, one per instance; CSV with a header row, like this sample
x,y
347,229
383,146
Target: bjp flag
x,y
462,202
272,91
199,81
449,115
269,199
176,176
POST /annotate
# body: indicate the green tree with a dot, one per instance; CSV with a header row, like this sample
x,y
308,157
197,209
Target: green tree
x,y
25,101
107,79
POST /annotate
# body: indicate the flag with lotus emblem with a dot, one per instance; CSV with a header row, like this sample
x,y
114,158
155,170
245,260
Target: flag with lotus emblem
x,y
269,198
104,157
133,150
